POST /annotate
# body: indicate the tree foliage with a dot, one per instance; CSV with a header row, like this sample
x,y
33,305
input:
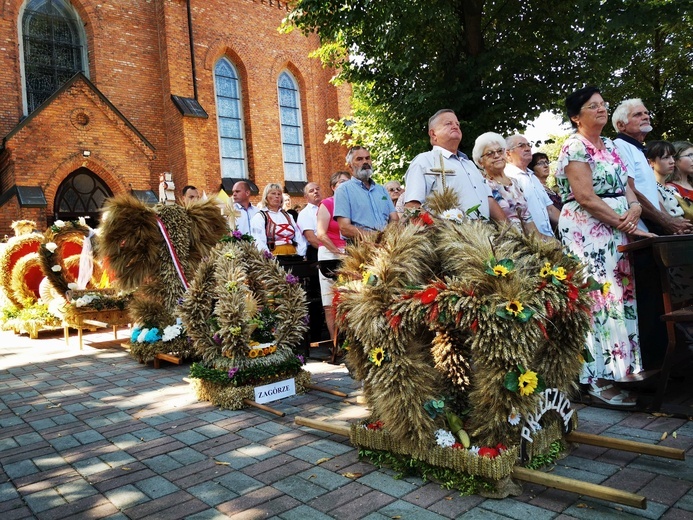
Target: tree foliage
x,y
497,63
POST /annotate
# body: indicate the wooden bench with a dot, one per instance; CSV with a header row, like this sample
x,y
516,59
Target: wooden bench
x,y
92,319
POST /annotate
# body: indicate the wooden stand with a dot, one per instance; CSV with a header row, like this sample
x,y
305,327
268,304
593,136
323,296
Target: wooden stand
x,y
166,357
91,319
550,480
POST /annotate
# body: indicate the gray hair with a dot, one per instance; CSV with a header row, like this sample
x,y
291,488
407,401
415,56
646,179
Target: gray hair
x,y
350,153
432,119
483,141
510,140
621,112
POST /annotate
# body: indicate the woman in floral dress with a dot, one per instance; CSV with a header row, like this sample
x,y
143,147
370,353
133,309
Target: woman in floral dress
x,y
599,213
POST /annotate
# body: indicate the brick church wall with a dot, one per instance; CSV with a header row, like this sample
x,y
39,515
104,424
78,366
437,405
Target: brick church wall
x,y
139,54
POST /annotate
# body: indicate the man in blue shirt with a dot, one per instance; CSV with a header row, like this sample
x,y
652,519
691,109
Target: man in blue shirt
x,y
361,205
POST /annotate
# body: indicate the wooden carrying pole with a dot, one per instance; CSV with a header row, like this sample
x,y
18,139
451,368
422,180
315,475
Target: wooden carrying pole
x,y
520,473
262,407
579,487
624,445
326,390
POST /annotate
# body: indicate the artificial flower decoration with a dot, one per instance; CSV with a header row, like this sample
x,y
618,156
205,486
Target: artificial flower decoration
x,y
491,453
369,278
232,372
605,288
545,271
514,310
171,332
51,246
559,273
72,286
56,268
59,224
377,356
515,417
454,215
524,382
499,268
445,439
376,426
427,296
528,382
291,279
514,307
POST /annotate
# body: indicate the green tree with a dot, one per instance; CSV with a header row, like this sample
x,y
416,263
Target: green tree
x,y
497,63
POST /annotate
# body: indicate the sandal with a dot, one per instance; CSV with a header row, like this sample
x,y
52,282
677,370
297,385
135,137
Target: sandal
x,y
617,400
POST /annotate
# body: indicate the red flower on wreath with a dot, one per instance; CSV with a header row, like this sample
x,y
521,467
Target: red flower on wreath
x,y
573,292
423,219
491,453
427,296
393,320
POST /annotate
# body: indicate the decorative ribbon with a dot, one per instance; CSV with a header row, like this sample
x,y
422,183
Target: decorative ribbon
x,y
86,262
172,251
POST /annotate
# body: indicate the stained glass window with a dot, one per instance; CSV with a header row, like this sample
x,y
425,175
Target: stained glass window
x,y
53,48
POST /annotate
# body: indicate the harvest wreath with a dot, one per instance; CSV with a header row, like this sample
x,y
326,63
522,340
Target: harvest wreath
x,y
243,314
468,324
62,256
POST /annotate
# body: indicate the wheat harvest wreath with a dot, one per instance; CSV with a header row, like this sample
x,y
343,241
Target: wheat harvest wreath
x,y
243,314
479,330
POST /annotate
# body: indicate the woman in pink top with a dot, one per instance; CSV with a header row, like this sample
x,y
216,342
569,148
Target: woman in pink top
x,y
331,245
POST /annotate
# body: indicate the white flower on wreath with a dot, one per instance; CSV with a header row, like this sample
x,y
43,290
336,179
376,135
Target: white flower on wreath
x,y
85,300
82,221
56,268
72,286
474,450
515,417
143,333
455,214
171,332
51,246
444,438
59,223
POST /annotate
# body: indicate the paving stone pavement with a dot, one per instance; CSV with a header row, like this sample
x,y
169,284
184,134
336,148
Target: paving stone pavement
x,y
93,434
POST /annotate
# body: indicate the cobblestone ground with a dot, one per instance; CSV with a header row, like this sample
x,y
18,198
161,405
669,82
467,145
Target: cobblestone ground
x,y
94,434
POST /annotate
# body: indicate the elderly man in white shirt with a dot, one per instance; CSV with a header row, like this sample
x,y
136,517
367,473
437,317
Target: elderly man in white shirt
x,y
462,175
631,120
519,155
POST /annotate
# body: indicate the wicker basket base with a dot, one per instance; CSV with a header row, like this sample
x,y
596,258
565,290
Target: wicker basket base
x,y
231,397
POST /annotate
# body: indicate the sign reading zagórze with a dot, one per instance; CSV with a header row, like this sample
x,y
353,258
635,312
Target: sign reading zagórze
x,y
275,391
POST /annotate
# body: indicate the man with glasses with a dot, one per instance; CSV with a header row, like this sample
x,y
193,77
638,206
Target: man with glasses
x,y
632,122
425,176
518,156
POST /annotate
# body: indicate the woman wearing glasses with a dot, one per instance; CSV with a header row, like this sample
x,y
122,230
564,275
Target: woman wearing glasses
x,y
682,178
489,155
599,213
540,166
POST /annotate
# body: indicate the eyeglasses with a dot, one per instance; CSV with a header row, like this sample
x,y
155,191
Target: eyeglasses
x,y
493,153
521,146
597,106
687,156
542,163
398,188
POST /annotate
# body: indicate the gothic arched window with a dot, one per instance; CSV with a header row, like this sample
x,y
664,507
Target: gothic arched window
x,y
54,48
230,120
292,128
